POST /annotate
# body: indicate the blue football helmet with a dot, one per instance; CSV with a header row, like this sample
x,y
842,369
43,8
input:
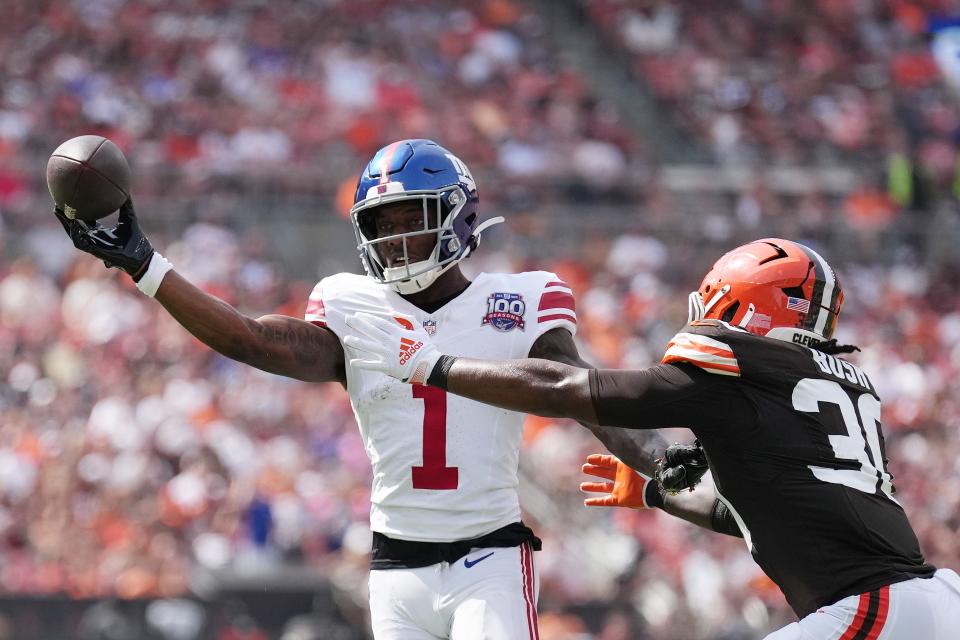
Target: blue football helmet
x,y
417,170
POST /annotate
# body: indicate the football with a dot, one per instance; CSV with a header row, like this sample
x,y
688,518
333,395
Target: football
x,y
88,177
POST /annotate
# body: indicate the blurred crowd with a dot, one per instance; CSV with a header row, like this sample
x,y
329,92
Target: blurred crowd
x,y
227,88
133,459
794,81
305,90
131,456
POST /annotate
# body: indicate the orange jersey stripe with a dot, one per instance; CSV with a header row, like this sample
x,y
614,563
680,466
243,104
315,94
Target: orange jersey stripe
x,y
696,346
730,368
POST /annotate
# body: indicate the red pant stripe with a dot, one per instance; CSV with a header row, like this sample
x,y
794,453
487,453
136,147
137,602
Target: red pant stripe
x,y
870,617
526,561
858,619
881,614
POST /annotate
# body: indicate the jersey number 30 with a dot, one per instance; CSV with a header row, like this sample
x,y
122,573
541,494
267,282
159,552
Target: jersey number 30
x,y
862,442
434,474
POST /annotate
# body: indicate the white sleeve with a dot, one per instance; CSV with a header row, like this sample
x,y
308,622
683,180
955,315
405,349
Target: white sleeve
x,y
555,306
316,312
336,297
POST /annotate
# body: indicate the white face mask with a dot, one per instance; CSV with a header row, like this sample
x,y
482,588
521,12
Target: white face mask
x,y
426,273
696,309
420,275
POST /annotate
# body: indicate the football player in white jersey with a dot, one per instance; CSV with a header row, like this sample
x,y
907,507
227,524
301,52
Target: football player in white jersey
x,y
451,558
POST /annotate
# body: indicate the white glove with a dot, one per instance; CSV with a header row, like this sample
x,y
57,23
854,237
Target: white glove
x,y
387,345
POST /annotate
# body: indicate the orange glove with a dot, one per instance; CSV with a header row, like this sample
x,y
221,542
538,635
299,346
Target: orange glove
x,y
629,488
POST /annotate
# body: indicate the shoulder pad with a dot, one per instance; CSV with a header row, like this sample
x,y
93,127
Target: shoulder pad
x,y
330,290
703,344
555,299
316,312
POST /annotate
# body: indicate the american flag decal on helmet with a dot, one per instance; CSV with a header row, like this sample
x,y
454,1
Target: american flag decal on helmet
x,y
709,354
798,304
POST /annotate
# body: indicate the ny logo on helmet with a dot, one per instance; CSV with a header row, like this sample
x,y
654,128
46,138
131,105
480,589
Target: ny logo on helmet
x,y
462,172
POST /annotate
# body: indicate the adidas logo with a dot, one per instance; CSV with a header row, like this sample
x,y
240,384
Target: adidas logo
x,y
407,348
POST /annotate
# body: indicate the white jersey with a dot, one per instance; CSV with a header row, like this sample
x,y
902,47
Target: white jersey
x,y
444,467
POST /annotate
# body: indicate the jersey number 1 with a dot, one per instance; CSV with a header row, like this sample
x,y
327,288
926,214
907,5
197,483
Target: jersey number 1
x,y
434,474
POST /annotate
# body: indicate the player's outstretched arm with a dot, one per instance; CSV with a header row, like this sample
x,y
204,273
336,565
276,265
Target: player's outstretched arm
x,y
531,386
278,344
638,449
667,395
626,487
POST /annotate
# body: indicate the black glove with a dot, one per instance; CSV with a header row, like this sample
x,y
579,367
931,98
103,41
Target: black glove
x,y
681,467
125,246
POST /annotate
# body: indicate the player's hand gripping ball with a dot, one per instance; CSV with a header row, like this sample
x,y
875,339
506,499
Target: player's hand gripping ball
x,y
393,345
124,246
682,467
88,178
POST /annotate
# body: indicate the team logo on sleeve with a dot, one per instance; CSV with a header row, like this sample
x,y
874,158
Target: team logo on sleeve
x,y
505,311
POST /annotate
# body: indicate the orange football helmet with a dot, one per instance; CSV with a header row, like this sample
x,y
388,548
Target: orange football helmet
x,y
772,287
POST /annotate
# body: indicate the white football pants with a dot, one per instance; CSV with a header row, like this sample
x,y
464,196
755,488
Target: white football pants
x,y
489,594
911,610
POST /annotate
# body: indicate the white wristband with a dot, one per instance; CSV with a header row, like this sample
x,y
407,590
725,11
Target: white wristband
x,y
150,281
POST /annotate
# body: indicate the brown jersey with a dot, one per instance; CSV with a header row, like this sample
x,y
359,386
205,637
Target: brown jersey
x,y
794,443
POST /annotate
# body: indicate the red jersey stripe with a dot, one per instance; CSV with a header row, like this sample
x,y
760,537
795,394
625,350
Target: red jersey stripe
x,y
557,300
558,283
558,316
315,308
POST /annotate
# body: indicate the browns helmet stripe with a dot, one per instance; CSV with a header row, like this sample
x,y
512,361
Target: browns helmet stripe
x,y
825,290
835,302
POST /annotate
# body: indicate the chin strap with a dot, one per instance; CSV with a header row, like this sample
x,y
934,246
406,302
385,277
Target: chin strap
x,y
473,243
748,316
488,223
475,236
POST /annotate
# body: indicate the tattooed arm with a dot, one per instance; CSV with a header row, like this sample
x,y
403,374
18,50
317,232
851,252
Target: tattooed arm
x,y
637,449
277,344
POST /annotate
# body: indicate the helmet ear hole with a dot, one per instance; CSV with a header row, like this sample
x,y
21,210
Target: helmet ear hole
x,y
730,311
